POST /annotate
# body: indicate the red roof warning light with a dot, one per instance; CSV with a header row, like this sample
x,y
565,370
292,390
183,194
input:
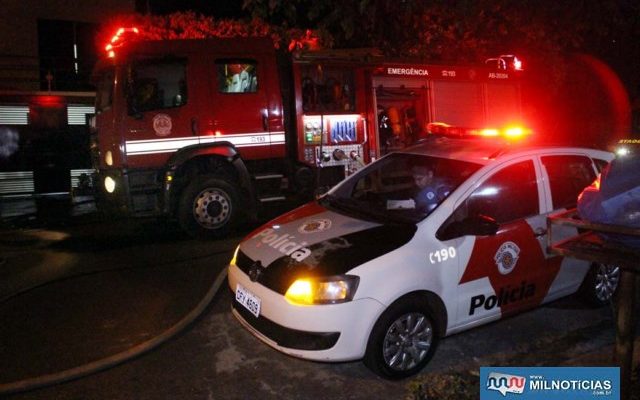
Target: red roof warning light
x,y
118,39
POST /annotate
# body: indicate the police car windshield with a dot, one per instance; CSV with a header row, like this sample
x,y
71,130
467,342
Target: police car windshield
x,y
400,188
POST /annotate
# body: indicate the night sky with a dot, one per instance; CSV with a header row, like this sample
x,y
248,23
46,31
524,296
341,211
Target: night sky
x,y
215,8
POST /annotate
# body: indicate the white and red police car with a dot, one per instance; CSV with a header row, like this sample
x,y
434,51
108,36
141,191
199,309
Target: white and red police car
x,y
371,271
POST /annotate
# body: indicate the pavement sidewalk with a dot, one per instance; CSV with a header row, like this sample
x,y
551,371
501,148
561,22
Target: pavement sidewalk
x,y
81,293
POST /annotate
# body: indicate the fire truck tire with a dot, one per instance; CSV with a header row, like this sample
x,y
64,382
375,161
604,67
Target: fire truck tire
x,y
209,207
403,340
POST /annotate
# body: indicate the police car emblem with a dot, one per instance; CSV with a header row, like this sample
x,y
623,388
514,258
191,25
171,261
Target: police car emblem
x,y
255,271
506,257
316,225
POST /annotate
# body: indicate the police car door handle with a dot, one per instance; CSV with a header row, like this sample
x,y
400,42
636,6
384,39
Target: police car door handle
x,y
265,122
539,232
194,126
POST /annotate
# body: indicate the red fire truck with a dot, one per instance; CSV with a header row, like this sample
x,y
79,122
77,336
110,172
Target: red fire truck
x,y
210,131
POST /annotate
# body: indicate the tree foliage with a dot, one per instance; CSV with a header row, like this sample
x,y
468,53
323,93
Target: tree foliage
x,y
190,25
452,31
457,30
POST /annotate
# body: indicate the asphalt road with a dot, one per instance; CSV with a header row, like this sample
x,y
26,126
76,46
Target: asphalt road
x,y
72,293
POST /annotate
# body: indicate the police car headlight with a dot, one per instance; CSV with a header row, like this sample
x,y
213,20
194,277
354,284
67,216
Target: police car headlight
x,y
325,290
109,184
235,256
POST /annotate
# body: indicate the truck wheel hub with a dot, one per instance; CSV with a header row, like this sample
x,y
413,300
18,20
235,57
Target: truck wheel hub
x,y
212,208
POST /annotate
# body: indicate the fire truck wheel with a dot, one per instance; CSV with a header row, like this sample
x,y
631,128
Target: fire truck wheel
x,y
600,285
208,208
403,339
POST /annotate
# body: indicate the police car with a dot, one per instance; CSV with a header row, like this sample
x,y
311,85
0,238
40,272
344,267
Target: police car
x,y
365,273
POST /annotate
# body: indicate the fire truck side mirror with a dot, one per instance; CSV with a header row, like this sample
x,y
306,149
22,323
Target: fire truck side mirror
x,y
132,107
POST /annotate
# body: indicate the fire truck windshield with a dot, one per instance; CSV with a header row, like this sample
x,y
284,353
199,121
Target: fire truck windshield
x,y
158,84
104,88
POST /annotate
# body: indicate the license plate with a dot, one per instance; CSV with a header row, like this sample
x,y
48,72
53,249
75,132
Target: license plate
x,y
249,300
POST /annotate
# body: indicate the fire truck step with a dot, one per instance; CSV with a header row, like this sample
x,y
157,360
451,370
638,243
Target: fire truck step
x,y
272,198
270,186
268,176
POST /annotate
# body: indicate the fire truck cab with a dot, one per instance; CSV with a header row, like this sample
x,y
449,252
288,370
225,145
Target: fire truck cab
x,y
210,131
205,130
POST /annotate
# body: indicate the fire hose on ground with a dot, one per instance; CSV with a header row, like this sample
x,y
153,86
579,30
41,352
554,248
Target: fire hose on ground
x,y
119,358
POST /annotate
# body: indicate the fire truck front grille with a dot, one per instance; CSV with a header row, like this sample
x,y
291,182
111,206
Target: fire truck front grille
x,y
144,203
143,180
145,189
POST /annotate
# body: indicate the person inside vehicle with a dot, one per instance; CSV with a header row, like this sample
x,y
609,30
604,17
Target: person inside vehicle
x,y
430,192
241,79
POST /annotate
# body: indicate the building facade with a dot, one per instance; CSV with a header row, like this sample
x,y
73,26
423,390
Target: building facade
x,y
47,51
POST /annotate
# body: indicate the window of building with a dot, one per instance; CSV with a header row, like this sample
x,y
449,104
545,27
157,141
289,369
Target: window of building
x,y
14,115
77,113
237,76
67,54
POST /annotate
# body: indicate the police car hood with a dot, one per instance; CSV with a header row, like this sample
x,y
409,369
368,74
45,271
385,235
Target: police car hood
x,y
315,241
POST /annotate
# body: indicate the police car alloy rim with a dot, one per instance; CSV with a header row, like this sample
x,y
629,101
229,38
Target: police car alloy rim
x,y
407,341
607,277
212,208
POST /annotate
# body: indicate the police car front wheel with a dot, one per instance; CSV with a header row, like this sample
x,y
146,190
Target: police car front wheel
x,y
403,339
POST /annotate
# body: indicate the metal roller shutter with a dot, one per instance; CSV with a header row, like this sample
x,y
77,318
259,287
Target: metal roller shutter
x,y
458,103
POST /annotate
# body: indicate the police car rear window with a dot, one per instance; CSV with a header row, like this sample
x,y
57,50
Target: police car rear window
x,y
568,176
508,195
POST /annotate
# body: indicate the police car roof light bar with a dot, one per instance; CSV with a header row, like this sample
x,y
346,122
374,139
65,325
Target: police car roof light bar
x,y
509,132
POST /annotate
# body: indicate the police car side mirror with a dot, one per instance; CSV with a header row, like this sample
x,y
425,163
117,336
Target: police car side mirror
x,y
476,225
